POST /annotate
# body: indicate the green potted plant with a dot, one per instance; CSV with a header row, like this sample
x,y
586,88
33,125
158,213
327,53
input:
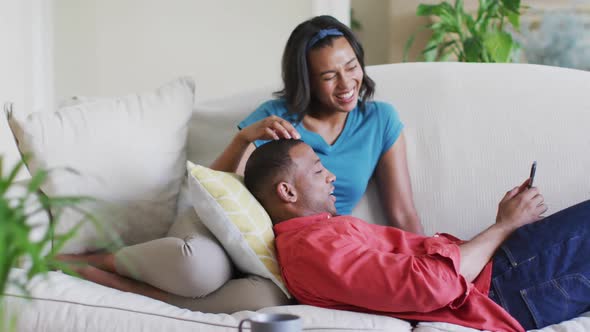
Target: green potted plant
x,y
480,37
20,202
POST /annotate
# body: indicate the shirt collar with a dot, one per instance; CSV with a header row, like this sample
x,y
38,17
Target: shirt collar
x,y
299,222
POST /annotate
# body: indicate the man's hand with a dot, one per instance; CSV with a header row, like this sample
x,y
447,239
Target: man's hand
x,y
520,206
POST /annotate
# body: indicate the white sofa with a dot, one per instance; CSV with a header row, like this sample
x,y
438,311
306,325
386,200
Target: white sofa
x,y
472,132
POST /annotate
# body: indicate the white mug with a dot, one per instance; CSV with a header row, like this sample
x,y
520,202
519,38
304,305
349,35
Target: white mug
x,y
273,323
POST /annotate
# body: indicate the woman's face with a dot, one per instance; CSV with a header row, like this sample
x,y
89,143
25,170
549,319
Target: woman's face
x,y
335,76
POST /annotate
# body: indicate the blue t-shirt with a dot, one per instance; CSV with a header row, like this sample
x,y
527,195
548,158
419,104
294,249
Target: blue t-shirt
x,y
366,136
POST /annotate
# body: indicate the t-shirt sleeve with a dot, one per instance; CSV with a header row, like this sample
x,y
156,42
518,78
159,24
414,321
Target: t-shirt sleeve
x,y
393,126
264,110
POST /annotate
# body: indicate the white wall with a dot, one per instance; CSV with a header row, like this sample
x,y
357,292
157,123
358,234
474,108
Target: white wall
x,y
16,54
26,65
340,9
376,29
109,47
16,79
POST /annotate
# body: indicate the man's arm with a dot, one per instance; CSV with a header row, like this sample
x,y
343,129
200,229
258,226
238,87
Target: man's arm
x,y
520,206
475,254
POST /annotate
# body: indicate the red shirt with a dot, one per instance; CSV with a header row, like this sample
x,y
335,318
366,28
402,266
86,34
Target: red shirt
x,y
345,263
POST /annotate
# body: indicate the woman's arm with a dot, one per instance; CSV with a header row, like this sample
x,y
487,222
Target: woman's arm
x,y
235,155
395,189
233,158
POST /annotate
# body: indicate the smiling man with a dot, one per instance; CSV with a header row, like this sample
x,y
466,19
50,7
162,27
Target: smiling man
x,y
342,262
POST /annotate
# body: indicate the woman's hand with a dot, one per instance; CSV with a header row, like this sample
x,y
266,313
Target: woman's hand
x,y
269,128
521,206
235,155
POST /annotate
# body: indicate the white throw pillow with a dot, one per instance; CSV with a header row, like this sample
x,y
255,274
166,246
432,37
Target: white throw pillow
x,y
128,153
237,220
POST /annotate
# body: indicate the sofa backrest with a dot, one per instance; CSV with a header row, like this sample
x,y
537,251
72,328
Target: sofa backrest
x,y
472,132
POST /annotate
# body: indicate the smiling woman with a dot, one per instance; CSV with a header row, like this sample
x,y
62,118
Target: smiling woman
x,y
326,101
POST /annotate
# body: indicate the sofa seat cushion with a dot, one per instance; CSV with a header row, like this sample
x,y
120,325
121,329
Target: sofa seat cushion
x,y
64,303
578,324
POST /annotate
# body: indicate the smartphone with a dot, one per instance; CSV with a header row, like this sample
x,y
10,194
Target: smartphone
x,y
533,171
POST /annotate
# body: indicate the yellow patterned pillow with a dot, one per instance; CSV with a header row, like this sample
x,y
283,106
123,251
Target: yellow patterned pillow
x,y
237,220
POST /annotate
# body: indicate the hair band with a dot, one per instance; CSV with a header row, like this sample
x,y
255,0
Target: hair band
x,y
323,33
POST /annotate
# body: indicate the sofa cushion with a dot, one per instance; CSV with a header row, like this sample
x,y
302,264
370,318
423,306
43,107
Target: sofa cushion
x,y
237,220
127,153
578,324
67,304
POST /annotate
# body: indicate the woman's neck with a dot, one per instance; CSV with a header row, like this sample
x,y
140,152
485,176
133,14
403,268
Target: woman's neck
x,y
329,125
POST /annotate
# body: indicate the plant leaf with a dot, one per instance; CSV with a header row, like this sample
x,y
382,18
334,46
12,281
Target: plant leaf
x,y
470,24
427,10
63,201
16,224
499,45
445,55
60,240
430,52
472,49
37,180
6,183
408,46
442,48
512,5
514,19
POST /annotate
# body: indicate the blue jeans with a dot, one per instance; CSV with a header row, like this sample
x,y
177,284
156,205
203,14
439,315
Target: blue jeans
x,y
541,274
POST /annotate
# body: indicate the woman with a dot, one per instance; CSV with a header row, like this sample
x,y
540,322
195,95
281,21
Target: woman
x,y
326,101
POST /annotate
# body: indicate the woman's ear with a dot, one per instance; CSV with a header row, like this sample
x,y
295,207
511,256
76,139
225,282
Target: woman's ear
x,y
286,192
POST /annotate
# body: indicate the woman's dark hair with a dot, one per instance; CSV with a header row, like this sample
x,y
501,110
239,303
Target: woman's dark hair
x,y
295,69
265,163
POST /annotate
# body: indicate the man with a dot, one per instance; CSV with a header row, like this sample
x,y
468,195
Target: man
x,y
520,272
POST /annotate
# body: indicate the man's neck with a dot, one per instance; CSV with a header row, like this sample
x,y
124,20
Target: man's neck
x,y
287,214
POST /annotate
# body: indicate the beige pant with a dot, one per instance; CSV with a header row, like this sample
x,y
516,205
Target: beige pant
x,y
192,266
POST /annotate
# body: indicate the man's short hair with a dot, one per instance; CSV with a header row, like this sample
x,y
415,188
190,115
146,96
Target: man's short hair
x,y
266,163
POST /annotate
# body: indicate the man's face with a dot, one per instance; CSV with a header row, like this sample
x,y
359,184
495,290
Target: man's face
x,y
313,182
